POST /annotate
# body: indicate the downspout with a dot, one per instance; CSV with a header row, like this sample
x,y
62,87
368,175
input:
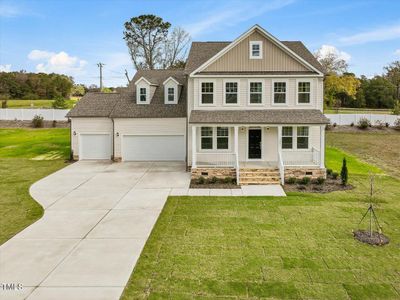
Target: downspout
x,y
187,123
113,139
71,153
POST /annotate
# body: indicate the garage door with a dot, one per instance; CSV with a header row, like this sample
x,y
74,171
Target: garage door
x,y
95,146
153,147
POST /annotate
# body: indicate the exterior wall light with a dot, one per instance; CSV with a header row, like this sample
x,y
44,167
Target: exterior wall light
x,y
117,134
74,133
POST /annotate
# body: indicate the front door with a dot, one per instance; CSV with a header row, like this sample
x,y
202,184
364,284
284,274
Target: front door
x,y
254,143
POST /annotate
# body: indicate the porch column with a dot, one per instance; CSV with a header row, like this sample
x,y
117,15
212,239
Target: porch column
x,y
236,144
279,139
194,147
322,147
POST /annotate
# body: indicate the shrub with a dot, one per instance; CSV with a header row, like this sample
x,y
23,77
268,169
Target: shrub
x,y
320,180
344,173
352,124
30,96
59,103
329,171
387,125
364,123
334,124
397,124
228,180
379,124
37,121
335,175
396,108
201,180
213,180
54,123
304,180
291,180
4,104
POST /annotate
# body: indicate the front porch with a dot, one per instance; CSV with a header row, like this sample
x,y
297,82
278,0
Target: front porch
x,y
251,148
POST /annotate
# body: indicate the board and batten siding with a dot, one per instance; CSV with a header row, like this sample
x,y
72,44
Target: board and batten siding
x,y
88,125
238,58
147,126
194,90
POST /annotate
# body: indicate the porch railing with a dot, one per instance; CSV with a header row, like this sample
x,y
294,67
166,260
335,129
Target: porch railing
x,y
216,160
301,157
281,168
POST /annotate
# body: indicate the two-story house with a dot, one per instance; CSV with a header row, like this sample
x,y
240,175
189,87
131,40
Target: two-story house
x,y
250,109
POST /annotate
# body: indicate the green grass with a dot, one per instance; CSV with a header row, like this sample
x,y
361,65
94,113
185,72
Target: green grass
x,y
298,247
26,155
357,111
37,103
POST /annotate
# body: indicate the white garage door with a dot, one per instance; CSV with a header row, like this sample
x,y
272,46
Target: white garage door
x,y
95,146
153,147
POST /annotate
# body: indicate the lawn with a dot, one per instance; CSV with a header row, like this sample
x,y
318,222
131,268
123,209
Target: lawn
x,y
26,155
298,247
37,103
357,111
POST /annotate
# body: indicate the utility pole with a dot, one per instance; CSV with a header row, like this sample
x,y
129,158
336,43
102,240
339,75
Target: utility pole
x,y
100,65
127,76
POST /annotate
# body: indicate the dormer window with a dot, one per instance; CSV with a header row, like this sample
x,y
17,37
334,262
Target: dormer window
x,y
143,95
171,95
256,49
171,90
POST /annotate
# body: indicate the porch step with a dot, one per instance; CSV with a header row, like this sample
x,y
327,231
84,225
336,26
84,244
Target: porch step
x,y
253,176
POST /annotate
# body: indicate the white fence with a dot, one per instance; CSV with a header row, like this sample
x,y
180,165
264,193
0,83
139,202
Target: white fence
x,y
28,114
347,119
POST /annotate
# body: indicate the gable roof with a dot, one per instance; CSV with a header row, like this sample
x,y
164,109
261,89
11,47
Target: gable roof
x,y
94,104
128,108
203,52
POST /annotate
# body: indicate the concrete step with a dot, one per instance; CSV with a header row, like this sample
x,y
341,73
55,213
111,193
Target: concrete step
x,y
258,170
259,178
259,174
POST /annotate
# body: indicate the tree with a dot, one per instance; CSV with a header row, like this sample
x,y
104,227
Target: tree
x,y
393,75
344,174
331,62
340,90
151,45
78,90
59,103
379,93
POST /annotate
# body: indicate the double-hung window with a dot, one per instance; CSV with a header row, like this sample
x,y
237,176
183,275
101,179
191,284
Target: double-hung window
x,y
287,137
207,92
222,138
280,92
302,137
171,94
303,92
206,138
231,92
143,94
255,92
256,49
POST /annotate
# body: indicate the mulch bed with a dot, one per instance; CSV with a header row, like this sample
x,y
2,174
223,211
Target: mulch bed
x,y
194,185
28,124
330,185
377,239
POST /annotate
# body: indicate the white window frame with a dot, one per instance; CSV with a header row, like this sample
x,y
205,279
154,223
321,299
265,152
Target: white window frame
x,y
208,136
308,138
297,91
292,136
251,44
273,92
238,91
214,94
262,92
215,140
138,92
294,141
166,91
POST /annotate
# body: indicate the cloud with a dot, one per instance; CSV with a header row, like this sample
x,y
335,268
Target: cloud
x,y
9,11
235,13
325,50
397,52
62,62
5,68
375,35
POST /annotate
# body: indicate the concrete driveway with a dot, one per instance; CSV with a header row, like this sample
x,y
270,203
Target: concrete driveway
x,y
98,216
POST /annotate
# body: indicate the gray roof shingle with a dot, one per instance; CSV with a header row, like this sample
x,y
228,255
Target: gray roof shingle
x,y
271,116
95,104
128,108
200,52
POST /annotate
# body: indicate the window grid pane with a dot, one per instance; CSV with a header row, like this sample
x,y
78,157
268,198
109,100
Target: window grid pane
x,y
206,131
255,92
222,131
231,92
287,137
302,137
222,143
207,92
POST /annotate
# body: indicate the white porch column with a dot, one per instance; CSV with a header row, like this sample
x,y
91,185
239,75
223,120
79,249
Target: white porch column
x,y
279,139
322,147
236,147
194,147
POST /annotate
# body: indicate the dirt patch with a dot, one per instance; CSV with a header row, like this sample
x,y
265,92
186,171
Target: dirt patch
x,y
330,185
377,239
28,124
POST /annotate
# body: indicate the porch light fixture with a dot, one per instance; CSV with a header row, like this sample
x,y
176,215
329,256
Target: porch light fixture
x,y
117,134
74,133
242,129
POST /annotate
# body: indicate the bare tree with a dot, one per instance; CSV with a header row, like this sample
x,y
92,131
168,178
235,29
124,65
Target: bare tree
x,y
331,62
151,45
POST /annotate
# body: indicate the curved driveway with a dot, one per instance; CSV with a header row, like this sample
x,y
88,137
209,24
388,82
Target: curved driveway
x,y
98,216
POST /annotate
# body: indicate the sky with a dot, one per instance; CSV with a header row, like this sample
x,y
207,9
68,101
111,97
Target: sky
x,y
71,37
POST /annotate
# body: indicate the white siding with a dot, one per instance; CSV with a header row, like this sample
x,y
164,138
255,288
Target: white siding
x,y
151,126
88,125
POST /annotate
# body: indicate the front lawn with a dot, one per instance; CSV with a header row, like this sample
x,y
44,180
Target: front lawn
x,y
26,155
44,103
298,247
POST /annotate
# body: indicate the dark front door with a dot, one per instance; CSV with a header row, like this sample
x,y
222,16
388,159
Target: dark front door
x,y
254,143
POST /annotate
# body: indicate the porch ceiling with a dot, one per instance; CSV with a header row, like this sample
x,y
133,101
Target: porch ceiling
x,y
271,116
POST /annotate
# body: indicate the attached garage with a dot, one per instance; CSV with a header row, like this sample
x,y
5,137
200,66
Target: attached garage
x,y
153,148
95,146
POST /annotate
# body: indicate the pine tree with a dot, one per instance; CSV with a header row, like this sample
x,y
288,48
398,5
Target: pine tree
x,y
344,174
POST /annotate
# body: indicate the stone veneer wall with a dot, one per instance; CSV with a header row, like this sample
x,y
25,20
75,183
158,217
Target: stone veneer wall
x,y
302,172
211,172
